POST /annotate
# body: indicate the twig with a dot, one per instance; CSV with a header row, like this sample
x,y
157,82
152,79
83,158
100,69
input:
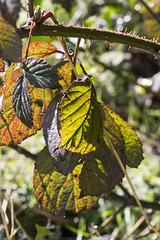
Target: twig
x,y
136,225
129,181
4,220
23,151
150,11
29,39
12,218
130,201
61,40
30,10
111,217
93,34
76,51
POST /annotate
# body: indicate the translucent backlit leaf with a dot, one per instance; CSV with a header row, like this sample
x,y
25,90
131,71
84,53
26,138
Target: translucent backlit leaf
x,y
12,130
80,118
10,44
132,144
22,103
56,192
39,50
65,73
39,73
2,65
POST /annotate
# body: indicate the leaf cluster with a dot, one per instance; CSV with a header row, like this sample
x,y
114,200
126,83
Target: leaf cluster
x,y
77,166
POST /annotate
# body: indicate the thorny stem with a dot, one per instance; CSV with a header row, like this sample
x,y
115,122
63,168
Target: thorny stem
x,y
129,181
61,40
128,39
150,11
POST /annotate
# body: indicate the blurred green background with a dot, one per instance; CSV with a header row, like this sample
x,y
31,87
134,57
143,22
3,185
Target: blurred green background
x,y
128,81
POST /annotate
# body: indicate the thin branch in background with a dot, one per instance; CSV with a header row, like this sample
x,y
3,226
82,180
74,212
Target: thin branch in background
x,y
12,218
18,223
150,11
136,225
110,218
129,181
23,151
4,220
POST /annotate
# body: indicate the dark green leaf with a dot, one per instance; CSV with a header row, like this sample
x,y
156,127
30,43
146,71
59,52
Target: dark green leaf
x,y
80,118
39,73
22,103
132,144
100,173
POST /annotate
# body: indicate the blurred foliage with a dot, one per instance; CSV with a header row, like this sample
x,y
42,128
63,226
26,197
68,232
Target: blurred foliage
x,y
128,81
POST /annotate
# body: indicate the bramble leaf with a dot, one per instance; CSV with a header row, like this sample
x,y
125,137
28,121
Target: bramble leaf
x,y
39,73
39,50
10,44
2,65
80,118
65,73
22,103
12,130
56,192
100,172
132,144
64,160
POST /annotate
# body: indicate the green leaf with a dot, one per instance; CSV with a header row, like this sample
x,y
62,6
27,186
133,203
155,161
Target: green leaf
x,y
100,173
132,144
39,50
10,44
56,192
42,232
22,103
80,118
39,73
65,72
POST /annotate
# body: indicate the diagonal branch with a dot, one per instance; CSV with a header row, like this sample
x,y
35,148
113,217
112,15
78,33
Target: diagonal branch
x,y
93,34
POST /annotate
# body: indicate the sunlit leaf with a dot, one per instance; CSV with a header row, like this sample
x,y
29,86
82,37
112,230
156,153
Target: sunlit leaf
x,y
10,9
39,50
22,103
65,73
12,130
10,44
2,65
39,73
56,192
133,146
80,118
